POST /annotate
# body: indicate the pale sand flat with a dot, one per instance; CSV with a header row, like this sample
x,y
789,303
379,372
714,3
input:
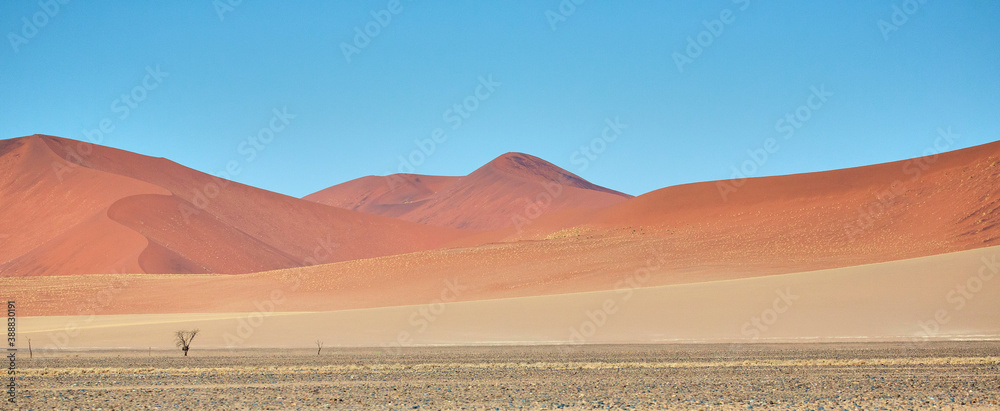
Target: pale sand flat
x,y
878,302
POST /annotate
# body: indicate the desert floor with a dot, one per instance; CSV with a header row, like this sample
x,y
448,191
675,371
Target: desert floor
x,y
956,375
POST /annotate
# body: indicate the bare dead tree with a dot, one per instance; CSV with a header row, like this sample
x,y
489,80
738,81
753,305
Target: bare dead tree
x,y
319,346
183,339
30,355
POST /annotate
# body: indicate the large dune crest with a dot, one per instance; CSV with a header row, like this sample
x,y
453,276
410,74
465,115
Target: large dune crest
x,y
80,208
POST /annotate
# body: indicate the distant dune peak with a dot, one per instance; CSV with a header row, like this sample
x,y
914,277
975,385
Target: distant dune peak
x,y
521,164
528,166
486,199
522,159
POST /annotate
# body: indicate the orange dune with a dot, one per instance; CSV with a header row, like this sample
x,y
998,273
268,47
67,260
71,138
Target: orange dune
x,y
904,209
510,191
803,222
79,208
61,227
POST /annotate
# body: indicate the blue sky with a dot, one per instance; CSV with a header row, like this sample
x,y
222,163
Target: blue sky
x,y
557,75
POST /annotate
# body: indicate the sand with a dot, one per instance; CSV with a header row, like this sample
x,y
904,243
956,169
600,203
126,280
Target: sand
x,y
393,195
509,191
456,308
79,208
911,300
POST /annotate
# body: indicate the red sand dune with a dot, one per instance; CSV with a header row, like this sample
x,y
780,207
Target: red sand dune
x,y
904,209
76,208
509,191
678,235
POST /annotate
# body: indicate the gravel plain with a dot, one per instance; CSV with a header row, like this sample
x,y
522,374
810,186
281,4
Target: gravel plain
x,y
947,375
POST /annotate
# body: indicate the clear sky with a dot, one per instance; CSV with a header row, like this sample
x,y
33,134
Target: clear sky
x,y
199,81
